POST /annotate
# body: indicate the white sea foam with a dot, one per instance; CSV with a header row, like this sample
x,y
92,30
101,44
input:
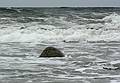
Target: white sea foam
x,y
35,32
30,60
114,81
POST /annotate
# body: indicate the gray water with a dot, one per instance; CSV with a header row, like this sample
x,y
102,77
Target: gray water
x,y
89,38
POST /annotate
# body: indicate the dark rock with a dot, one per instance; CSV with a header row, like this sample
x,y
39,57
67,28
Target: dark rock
x,y
22,27
91,28
43,28
97,29
64,41
51,52
111,68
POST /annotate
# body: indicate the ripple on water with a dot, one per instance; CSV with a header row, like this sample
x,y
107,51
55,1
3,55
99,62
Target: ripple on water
x,y
81,64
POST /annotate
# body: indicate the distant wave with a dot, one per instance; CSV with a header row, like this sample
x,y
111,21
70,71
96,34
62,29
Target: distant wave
x,y
59,25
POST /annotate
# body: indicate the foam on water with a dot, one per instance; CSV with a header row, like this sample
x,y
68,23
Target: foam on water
x,y
25,33
35,32
33,60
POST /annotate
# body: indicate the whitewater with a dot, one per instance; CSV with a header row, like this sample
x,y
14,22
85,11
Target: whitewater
x,y
89,38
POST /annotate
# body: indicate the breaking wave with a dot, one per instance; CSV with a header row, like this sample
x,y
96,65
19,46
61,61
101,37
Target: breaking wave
x,y
63,28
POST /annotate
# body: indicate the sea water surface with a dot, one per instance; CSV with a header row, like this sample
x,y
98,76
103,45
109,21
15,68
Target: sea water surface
x,y
89,38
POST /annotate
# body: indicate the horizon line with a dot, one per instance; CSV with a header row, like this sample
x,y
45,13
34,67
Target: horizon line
x,y
58,6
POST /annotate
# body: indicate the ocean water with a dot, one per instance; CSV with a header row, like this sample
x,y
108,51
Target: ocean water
x,y
89,38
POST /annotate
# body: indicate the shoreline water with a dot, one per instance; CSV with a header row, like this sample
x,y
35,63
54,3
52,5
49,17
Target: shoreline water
x,y
89,38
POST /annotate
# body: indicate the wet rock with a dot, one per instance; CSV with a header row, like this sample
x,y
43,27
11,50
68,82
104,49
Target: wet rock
x,y
111,68
91,28
43,28
22,27
51,52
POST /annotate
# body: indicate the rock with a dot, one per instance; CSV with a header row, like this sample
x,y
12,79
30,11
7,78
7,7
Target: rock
x,y
43,28
111,68
51,52
22,27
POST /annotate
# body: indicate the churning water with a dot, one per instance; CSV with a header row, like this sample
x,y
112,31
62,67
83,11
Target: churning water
x,y
89,38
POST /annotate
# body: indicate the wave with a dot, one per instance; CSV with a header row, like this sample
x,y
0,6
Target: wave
x,y
60,30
